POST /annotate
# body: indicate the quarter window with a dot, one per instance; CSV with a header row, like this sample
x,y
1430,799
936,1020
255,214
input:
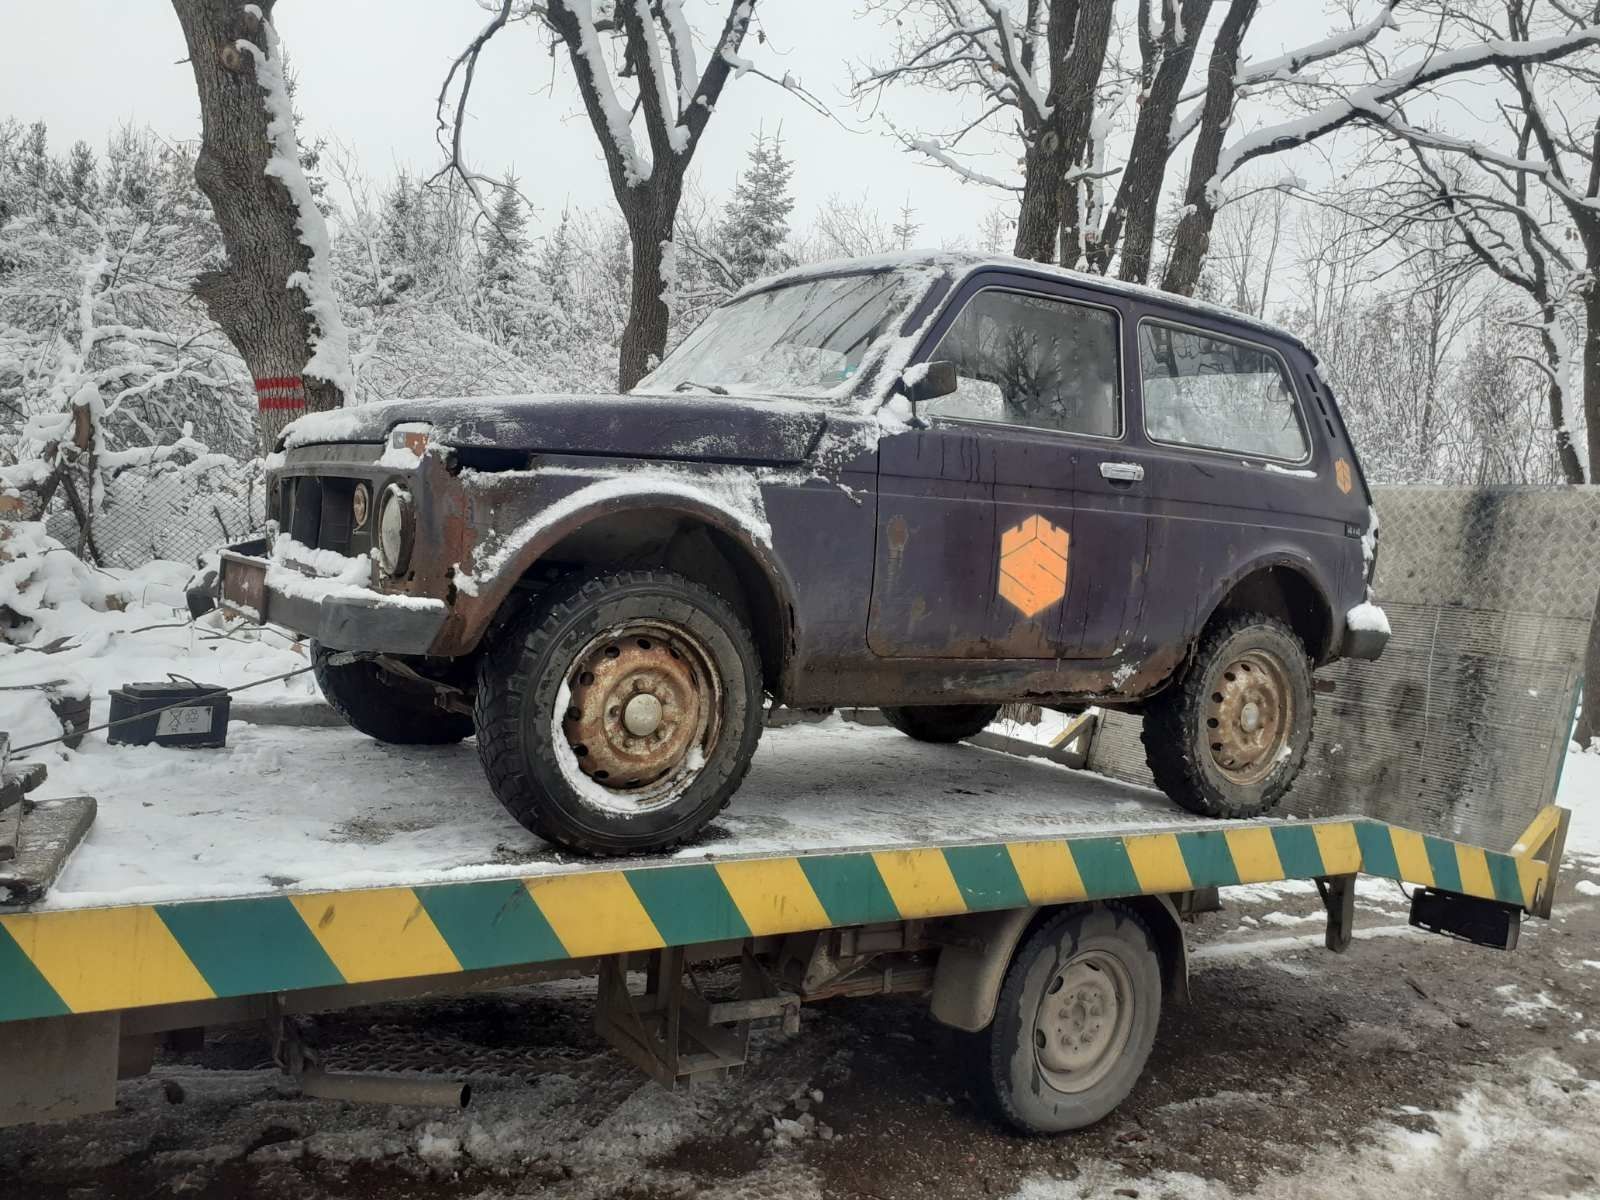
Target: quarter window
x,y
1209,391
1030,360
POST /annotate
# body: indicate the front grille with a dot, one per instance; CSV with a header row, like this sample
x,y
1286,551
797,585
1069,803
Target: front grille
x,y
317,512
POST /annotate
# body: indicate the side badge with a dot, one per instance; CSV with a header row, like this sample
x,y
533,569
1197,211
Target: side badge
x,y
1341,476
1033,565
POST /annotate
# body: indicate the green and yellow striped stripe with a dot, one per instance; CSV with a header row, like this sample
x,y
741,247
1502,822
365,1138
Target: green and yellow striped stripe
x,y
100,959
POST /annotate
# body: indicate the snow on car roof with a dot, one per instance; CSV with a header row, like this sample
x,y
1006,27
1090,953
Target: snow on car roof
x,y
958,264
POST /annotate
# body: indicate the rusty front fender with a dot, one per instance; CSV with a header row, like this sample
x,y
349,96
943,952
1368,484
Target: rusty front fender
x,y
499,568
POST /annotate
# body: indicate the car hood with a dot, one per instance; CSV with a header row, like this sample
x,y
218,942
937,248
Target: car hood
x,y
691,426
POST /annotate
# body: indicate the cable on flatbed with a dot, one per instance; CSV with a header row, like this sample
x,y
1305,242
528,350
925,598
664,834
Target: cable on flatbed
x,y
189,703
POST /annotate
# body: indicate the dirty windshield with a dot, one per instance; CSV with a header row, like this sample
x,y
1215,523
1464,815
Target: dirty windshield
x,y
804,339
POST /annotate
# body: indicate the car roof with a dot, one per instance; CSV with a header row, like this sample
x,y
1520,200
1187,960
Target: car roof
x,y
959,264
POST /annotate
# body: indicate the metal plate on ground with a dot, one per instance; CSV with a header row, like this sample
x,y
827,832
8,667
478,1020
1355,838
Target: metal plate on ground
x,y
48,831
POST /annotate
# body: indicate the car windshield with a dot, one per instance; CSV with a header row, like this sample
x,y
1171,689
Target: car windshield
x,y
802,339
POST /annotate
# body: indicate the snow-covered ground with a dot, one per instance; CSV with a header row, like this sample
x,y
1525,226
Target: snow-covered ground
x,y
88,631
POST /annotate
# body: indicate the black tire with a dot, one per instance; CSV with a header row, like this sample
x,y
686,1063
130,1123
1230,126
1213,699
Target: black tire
x,y
1182,725
385,706
1059,1064
941,722
524,742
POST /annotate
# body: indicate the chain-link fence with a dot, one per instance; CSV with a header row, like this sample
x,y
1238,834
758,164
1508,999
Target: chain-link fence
x,y
168,510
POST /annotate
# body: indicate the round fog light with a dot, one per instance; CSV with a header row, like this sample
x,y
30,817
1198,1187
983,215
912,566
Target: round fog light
x,y
395,527
360,500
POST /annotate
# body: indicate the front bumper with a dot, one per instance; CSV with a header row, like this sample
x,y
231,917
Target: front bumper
x,y
365,621
1365,644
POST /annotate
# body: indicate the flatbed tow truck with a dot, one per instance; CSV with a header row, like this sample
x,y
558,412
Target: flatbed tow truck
x,y
1037,898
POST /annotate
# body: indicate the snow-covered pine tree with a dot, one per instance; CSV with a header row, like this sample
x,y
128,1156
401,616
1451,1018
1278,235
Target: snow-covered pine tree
x,y
905,229
509,290
752,239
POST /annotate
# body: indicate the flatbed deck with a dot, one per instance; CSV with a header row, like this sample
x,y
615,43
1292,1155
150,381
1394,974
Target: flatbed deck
x,y
249,870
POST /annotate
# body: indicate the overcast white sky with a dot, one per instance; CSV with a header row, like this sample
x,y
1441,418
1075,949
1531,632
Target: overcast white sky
x,y
369,74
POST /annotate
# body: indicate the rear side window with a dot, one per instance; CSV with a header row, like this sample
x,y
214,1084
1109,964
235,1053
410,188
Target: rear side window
x,y
1031,360
1204,390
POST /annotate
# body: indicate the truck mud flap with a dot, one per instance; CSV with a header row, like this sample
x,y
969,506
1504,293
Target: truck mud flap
x,y
1467,918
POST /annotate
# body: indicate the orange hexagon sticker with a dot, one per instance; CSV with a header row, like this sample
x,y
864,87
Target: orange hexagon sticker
x,y
1341,476
1033,565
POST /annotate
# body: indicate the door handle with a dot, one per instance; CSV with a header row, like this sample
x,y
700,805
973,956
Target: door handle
x,y
1122,472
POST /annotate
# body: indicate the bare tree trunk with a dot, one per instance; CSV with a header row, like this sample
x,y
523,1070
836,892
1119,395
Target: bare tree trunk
x,y
1589,714
1039,214
1166,67
1566,447
1076,43
249,298
647,193
1193,236
1591,362
650,222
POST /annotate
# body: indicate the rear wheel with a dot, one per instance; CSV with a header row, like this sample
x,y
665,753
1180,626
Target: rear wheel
x,y
941,722
384,705
1075,1020
620,713
1229,738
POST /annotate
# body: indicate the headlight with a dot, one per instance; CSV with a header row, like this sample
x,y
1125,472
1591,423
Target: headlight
x,y
396,525
410,437
360,503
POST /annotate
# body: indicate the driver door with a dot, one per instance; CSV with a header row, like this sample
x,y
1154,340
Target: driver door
x,y
999,536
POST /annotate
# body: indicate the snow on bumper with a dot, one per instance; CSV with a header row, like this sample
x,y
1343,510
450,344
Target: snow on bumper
x,y
336,613
1366,631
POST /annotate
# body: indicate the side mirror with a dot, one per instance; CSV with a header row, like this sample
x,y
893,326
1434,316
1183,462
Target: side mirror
x,y
928,381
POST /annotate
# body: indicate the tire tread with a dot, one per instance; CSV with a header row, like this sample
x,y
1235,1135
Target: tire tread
x,y
1173,756
500,695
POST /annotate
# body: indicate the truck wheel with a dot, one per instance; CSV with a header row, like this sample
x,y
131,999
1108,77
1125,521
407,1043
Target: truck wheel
x,y
1075,1020
619,714
941,722
1228,739
385,706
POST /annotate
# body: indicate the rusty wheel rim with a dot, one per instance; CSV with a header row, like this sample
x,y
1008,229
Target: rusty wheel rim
x,y
1249,716
637,716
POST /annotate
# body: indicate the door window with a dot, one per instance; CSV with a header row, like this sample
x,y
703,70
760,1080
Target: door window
x,y
1204,390
1031,360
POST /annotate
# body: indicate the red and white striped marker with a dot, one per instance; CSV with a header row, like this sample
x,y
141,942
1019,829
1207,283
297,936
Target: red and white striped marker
x,y
285,393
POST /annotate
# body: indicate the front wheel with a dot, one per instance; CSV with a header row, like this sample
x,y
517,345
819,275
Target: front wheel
x,y
1228,739
620,713
941,722
1075,1020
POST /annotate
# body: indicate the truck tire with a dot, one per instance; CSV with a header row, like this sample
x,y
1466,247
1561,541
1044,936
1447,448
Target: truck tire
x,y
384,706
620,712
1075,1020
941,722
1229,737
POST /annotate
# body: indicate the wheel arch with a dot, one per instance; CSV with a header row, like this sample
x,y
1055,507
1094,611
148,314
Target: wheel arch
x,y
969,975
1285,587
724,550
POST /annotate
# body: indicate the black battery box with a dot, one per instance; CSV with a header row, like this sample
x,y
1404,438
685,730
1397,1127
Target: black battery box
x,y
200,721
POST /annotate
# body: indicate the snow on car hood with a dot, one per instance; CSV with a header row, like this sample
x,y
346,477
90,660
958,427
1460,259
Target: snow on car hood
x,y
690,426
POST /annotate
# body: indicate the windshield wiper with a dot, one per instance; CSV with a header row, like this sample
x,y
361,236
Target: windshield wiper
x,y
714,388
